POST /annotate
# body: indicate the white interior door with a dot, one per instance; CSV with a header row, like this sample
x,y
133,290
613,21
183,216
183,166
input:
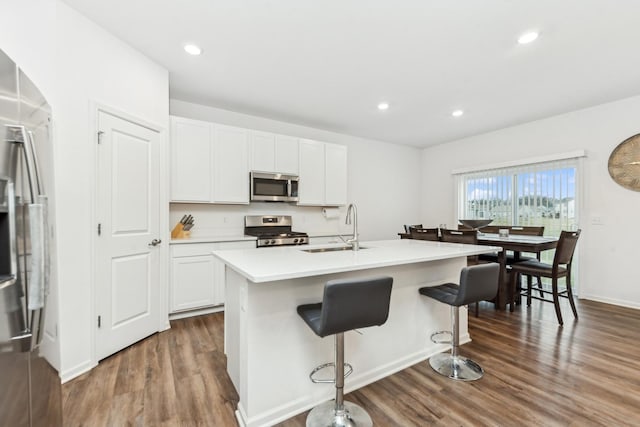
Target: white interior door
x,y
127,264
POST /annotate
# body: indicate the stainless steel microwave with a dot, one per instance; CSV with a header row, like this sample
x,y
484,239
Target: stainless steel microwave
x,y
273,187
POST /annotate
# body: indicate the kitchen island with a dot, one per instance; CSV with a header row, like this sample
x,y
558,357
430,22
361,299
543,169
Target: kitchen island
x,y
271,351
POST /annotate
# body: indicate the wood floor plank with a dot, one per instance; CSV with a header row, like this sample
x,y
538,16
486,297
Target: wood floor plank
x,y
586,373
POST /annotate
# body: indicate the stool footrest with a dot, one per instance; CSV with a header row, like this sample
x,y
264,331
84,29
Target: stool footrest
x,y
348,371
436,340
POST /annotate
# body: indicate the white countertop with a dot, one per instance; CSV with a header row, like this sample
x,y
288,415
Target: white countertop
x,y
282,263
214,239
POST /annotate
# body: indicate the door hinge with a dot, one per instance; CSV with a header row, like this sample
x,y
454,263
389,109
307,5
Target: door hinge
x,y
100,133
99,321
99,229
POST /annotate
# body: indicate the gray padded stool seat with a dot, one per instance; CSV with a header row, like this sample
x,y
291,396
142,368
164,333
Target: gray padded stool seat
x,y
346,305
477,283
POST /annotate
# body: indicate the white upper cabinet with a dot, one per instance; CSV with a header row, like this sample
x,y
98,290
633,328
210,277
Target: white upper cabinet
x,y
274,153
311,184
335,158
263,151
190,160
209,162
323,174
286,157
230,165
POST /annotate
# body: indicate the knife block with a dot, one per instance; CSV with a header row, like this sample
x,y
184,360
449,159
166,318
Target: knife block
x,y
178,232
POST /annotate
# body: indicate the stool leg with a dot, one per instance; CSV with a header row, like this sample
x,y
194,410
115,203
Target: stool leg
x,y
338,412
455,332
453,365
340,372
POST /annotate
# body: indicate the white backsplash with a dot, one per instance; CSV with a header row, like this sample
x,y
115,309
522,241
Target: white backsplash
x,y
212,220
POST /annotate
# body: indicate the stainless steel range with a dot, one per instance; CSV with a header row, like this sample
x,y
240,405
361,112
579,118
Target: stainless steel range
x,y
273,230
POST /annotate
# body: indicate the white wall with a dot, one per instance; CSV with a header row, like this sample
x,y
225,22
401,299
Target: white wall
x,y
383,181
76,65
609,252
92,67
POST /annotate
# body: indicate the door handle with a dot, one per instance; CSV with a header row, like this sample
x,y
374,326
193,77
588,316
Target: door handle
x,y
155,242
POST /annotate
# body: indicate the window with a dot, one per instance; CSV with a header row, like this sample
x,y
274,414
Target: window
x,y
535,194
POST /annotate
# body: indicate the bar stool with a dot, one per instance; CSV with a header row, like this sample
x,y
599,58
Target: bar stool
x,y
346,305
477,283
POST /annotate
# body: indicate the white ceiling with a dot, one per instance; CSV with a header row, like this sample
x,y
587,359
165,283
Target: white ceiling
x,y
328,63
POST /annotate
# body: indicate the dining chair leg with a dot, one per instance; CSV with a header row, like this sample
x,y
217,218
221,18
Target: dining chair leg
x,y
570,295
556,299
540,286
477,308
511,294
529,284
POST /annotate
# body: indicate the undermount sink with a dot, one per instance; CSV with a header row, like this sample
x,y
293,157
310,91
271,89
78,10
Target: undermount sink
x,y
333,249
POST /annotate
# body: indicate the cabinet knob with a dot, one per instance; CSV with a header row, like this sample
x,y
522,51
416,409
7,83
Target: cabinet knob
x,y
155,242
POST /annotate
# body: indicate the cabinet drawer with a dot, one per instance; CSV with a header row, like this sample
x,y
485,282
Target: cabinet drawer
x,y
193,249
197,249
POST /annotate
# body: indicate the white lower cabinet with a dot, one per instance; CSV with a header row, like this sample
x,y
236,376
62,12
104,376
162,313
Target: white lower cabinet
x,y
192,282
197,277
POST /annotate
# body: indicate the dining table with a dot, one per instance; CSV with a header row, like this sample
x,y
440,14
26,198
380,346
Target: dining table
x,y
517,244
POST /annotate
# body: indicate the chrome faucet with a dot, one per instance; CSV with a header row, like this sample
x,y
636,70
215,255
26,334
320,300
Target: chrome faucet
x,y
355,243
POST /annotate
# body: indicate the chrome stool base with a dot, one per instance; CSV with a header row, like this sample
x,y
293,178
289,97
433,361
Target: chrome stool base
x,y
326,415
456,367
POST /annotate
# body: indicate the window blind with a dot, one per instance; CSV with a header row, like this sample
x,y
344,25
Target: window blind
x,y
532,194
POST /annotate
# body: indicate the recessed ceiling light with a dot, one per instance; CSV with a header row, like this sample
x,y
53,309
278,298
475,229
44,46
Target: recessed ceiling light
x,y
383,106
528,37
192,49
457,113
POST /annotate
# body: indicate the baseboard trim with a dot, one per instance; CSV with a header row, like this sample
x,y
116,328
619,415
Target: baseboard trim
x,y
198,312
76,371
613,301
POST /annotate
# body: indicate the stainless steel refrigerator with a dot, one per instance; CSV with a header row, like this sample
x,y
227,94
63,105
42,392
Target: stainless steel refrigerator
x,y
29,385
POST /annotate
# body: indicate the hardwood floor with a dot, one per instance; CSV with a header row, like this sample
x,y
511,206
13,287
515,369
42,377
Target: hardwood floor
x,y
536,374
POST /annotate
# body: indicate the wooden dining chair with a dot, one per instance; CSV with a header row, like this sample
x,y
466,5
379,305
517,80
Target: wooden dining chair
x,y
491,229
527,230
407,227
424,233
469,237
561,267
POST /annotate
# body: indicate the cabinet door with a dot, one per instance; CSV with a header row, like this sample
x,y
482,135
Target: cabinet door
x,y
192,282
263,151
311,186
231,165
286,154
190,160
335,174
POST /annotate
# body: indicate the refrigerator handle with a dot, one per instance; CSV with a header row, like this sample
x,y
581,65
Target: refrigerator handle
x,y
38,230
34,162
31,162
38,280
